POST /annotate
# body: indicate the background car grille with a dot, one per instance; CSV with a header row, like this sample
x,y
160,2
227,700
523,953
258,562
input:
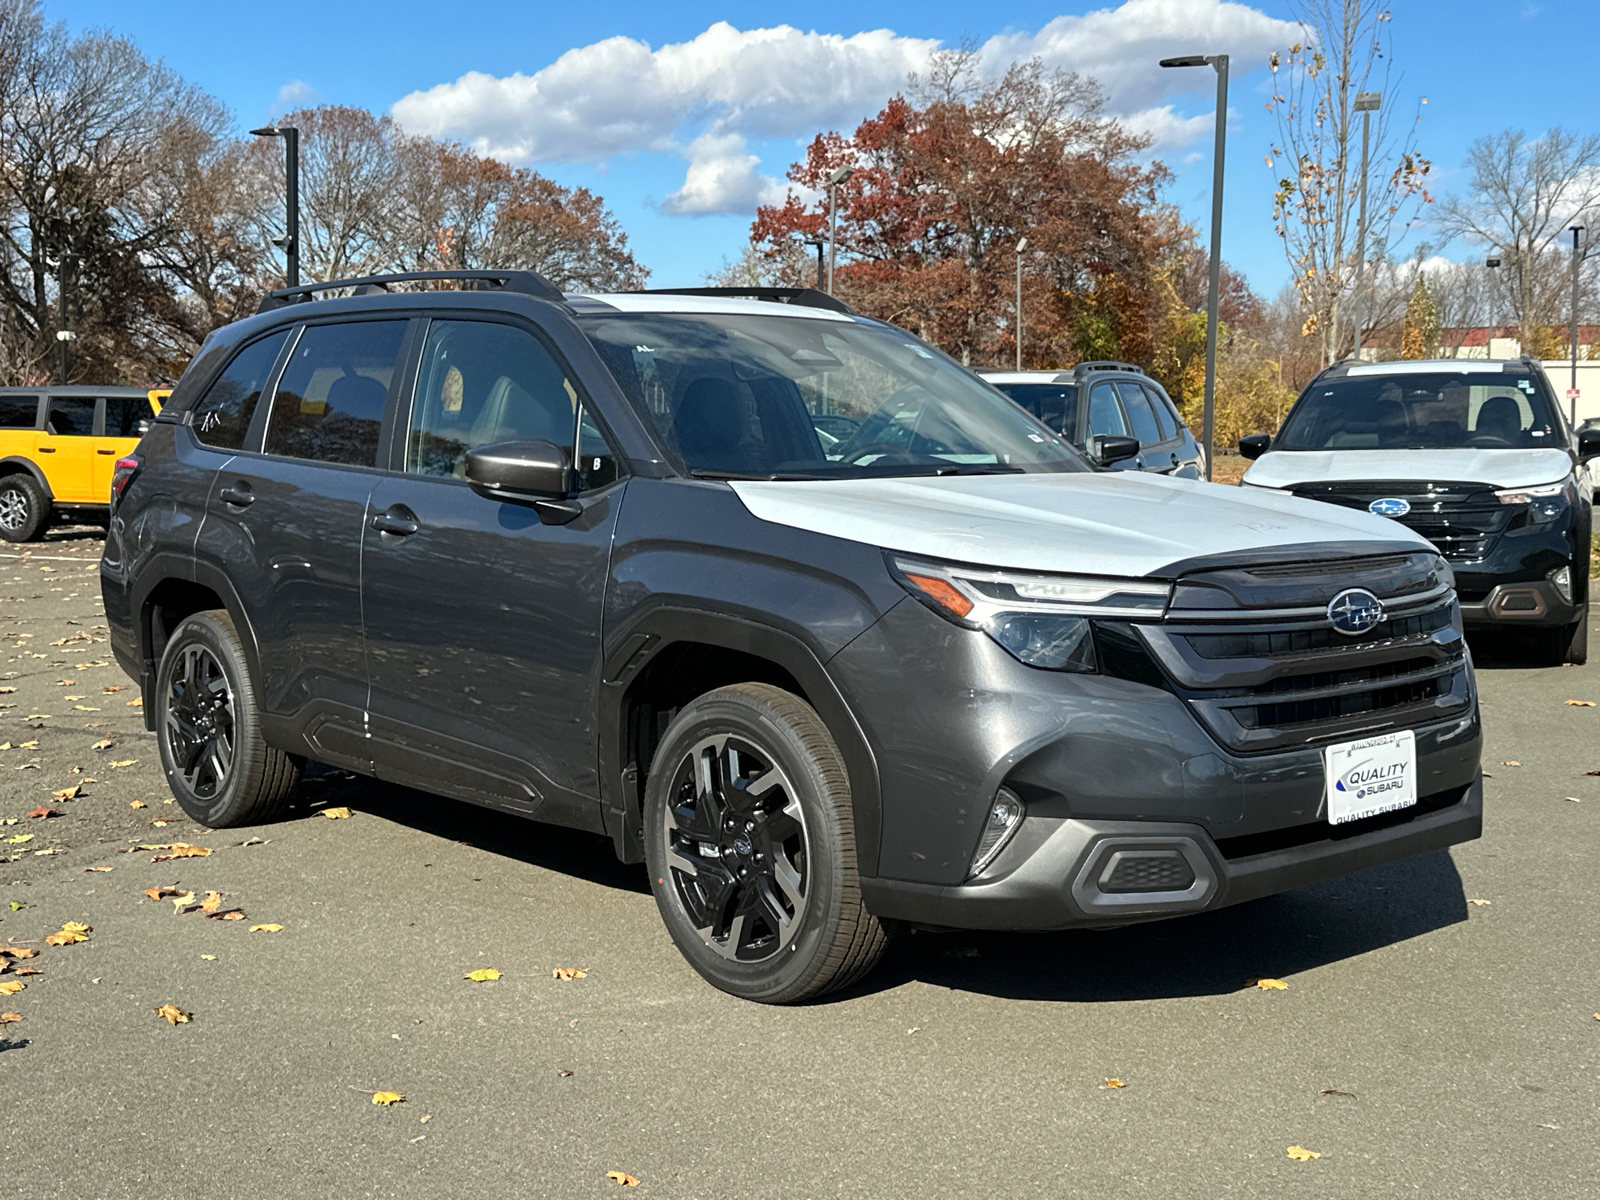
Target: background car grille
x,y
1462,519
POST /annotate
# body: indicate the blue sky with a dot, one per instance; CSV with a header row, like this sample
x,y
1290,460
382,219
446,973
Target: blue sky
x,y
683,142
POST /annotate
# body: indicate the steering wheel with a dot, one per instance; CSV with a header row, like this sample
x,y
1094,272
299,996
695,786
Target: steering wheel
x,y
883,448
1488,441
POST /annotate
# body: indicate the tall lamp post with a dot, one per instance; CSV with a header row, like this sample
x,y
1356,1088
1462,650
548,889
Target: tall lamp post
x,y
1021,246
289,243
819,243
1577,258
839,175
1367,103
66,337
1220,63
1492,263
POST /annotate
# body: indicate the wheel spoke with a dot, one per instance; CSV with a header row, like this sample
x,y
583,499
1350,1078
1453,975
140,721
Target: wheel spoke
x,y
788,881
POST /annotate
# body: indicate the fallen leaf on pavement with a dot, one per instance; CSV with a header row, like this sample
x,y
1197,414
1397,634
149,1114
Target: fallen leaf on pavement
x,y
180,902
11,987
29,745
209,957
1301,1154
173,1015
231,914
70,793
28,767
98,869
137,804
44,813
139,703
114,688
18,952
1479,903
1574,800
270,927
564,1074
7,1018
483,975
1112,1083
569,973
180,850
16,905
1511,762
254,841
161,893
105,744
161,822
6,691
1580,703
52,850
16,839
1336,1092
211,903
127,762
69,934
387,1098
1270,985
336,814
622,1178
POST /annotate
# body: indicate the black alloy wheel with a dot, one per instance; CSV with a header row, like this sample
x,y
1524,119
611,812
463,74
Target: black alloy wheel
x,y
750,840
200,722
737,851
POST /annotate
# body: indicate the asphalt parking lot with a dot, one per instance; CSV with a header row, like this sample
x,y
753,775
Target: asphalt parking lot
x,y
1437,1036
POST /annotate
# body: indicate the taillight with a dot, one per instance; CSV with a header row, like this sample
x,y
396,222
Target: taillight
x,y
121,474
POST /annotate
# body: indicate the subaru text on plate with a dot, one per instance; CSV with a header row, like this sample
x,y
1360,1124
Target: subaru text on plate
x,y
592,560
1474,455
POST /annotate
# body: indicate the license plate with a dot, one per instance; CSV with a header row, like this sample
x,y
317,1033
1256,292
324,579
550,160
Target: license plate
x,y
1370,776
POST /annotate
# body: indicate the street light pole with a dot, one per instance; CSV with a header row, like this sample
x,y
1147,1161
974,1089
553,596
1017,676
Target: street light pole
x,y
1572,393
839,175
1021,246
66,337
290,242
1220,63
1367,103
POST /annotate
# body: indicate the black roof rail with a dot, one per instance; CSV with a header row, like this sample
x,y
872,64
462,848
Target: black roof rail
x,y
527,283
1105,364
805,297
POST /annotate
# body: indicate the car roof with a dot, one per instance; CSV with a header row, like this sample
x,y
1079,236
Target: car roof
x,y
1427,366
74,389
1026,376
672,302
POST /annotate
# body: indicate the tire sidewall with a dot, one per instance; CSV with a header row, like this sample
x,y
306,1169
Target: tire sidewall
x,y
204,629
34,497
793,970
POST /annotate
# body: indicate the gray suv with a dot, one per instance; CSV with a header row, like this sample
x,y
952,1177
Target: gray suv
x,y
591,560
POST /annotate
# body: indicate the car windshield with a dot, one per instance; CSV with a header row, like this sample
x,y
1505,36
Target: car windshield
x,y
1423,411
1056,404
741,395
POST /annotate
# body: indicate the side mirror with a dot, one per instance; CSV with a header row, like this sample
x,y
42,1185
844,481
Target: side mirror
x,y
1254,445
532,471
1108,448
1588,444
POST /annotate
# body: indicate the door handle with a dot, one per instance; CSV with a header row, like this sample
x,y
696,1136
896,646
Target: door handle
x,y
47,449
105,451
240,496
391,522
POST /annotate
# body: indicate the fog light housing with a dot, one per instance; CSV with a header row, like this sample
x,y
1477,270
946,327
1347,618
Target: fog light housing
x,y
1005,817
1562,578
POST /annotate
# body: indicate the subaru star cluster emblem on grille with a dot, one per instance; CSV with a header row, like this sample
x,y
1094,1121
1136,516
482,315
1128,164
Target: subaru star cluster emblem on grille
x,y
1390,506
1354,611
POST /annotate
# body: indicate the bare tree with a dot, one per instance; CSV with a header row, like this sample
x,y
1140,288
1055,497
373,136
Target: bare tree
x,y
1347,50
1522,197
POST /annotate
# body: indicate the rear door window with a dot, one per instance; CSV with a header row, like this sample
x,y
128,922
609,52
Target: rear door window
x,y
124,415
71,416
1140,417
328,406
223,414
19,412
1165,416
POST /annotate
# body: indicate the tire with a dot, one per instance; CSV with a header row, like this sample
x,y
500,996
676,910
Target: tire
x,y
757,881
24,509
1568,643
220,770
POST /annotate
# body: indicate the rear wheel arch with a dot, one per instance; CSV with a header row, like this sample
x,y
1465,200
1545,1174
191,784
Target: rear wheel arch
x,y
172,596
670,658
17,465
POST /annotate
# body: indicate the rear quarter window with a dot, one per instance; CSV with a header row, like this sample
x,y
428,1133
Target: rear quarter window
x,y
223,414
19,412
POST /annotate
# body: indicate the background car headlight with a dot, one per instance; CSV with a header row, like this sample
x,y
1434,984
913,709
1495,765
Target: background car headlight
x,y
1041,620
1546,503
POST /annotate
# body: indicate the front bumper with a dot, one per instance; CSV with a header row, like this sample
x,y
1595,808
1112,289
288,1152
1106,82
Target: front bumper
x,y
1051,876
1512,584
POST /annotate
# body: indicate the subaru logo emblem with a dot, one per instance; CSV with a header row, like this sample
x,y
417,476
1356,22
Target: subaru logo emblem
x,y
1354,611
1390,506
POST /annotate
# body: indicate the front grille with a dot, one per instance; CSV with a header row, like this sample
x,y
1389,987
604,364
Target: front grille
x,y
1463,520
1280,642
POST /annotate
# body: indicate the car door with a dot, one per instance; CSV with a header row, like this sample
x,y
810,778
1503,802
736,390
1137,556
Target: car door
x,y
1156,442
1185,451
483,624
124,422
286,521
1106,419
66,450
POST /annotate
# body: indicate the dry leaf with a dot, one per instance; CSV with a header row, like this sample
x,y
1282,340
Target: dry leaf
x,y
173,1015
85,708
1112,1083
11,987
139,703
209,957
7,1018
336,814
71,793
1336,1092
569,973
69,934
1580,703
6,691
1301,1154
1511,762
98,869
387,1098
137,804
1479,903
1271,985
179,850
211,903
564,1074
30,745
105,744
622,1178
1574,800
270,927
232,914
17,839
52,850
483,975
44,813
114,688
127,762
180,902
161,893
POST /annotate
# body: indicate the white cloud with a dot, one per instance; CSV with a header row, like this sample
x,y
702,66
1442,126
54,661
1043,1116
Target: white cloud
x,y
704,98
297,93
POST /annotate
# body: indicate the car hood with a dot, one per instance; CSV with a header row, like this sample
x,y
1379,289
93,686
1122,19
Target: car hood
x,y
1502,468
1118,523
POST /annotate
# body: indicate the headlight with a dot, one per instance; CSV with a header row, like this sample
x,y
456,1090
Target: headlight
x,y
1041,620
1546,502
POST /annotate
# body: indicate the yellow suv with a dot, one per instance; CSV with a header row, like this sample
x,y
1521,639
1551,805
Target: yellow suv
x,y
58,447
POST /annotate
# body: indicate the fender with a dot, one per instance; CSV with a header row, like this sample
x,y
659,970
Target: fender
x,y
32,468
639,641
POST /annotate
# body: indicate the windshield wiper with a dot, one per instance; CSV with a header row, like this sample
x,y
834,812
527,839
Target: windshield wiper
x,y
751,476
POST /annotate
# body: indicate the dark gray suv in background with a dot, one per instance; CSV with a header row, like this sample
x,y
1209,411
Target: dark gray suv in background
x,y
781,600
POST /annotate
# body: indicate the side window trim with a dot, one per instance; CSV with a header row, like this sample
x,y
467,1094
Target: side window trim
x,y
1166,417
